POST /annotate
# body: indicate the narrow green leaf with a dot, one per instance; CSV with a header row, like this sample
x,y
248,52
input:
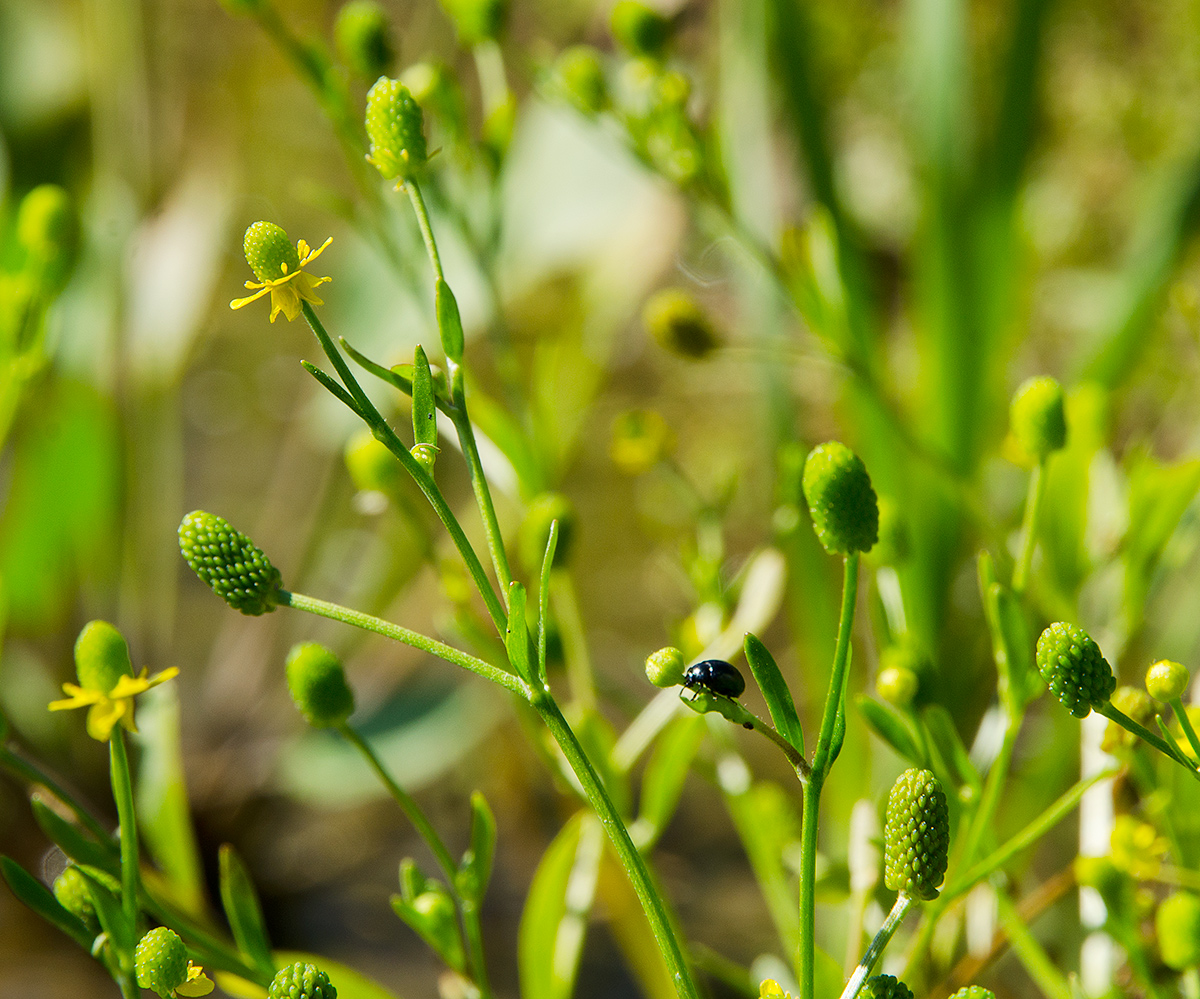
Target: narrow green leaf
x,y
516,633
1017,117
662,784
243,911
449,322
72,840
886,723
112,916
41,900
946,740
331,386
475,871
433,917
424,412
775,691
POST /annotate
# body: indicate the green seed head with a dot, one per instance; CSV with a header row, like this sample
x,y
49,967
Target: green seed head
x,y
1166,680
579,79
317,680
638,29
535,530
161,961
844,509
394,126
48,232
269,252
1072,664
1177,924
71,890
227,560
974,992
917,835
363,39
301,981
679,325
665,667
886,987
1037,417
101,657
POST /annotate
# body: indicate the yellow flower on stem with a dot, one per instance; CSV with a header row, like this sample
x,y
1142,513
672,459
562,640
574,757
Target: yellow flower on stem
x,y
197,984
279,267
107,710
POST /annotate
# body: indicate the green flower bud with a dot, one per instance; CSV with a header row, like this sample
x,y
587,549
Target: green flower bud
x,y
679,325
1072,664
1135,703
1037,417
665,667
843,506
637,28
227,560
394,126
101,657
301,981
371,465
476,20
48,231
897,685
361,33
917,836
535,530
269,252
578,78
317,680
71,890
1177,924
886,987
161,961
974,992
1167,681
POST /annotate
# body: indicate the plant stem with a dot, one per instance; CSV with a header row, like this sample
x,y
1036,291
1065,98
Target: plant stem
x,y
399,633
1033,509
821,764
627,853
881,939
997,776
1115,714
1185,723
122,785
418,203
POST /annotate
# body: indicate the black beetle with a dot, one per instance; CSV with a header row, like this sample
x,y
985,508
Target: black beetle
x,y
717,676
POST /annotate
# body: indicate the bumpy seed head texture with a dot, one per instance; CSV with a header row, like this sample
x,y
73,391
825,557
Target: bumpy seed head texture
x,y
1072,664
1177,925
1037,416
845,511
161,961
317,680
394,126
917,835
71,890
301,981
227,560
269,252
886,987
974,992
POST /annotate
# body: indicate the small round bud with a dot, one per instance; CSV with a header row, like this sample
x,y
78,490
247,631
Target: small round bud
x,y
476,20
917,836
269,252
161,961
638,29
886,987
1167,681
361,33
395,127
101,657
371,465
1177,924
228,561
1072,664
665,667
1134,702
317,680
640,440
71,890
535,530
974,992
843,506
1037,417
679,325
301,981
48,231
897,685
578,78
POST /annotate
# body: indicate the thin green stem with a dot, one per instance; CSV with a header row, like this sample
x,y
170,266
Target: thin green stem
x,y
346,615
633,862
418,203
32,773
837,677
1185,723
1115,714
122,785
993,788
881,940
1033,509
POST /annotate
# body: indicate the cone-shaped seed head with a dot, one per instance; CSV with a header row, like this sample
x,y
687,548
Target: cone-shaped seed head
x,y
71,890
1177,924
1167,680
317,680
227,560
394,126
1037,417
161,961
974,992
269,252
1072,664
886,987
917,836
301,981
101,657
841,500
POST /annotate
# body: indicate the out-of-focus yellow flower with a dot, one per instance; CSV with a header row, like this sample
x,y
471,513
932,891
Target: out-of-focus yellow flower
x,y
1137,848
197,984
107,710
640,439
279,267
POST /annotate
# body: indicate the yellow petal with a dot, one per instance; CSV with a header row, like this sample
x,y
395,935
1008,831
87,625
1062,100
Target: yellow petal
x,y
237,303
103,718
198,984
307,255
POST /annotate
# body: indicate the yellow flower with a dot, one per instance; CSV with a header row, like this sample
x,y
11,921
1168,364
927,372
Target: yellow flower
x,y
106,710
1137,848
279,267
197,984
